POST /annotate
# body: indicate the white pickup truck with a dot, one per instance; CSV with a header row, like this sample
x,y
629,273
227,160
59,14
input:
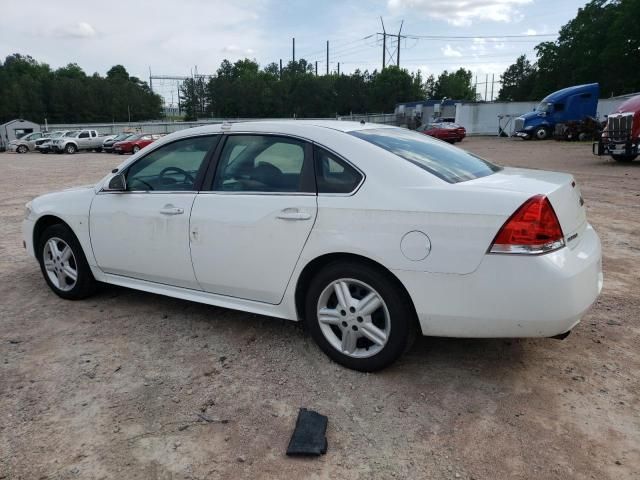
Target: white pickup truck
x,y
77,140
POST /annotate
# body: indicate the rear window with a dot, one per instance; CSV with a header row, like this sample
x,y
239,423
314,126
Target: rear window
x,y
445,161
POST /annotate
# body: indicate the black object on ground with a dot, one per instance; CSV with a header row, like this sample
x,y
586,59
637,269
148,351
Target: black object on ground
x,y
309,435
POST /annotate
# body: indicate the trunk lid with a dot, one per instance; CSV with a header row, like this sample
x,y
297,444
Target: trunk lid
x,y
559,188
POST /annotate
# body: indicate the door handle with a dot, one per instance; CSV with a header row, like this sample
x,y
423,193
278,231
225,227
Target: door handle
x,y
171,210
293,214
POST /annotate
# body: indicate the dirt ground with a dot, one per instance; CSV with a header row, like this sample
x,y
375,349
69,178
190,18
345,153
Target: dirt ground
x,y
131,385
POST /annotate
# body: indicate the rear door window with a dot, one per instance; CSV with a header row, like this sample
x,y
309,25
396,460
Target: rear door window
x,y
445,161
334,175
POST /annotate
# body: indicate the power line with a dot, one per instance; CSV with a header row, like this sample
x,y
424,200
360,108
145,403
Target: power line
x,y
450,37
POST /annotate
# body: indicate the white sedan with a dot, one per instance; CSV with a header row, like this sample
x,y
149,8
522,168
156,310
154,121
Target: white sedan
x,y
369,234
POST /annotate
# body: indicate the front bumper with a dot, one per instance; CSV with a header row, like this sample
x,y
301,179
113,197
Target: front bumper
x,y
511,295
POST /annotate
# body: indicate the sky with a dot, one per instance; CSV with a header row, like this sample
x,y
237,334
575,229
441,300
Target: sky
x,y
181,37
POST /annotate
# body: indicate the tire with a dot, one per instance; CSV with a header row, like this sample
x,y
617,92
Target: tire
x,y
624,158
70,149
541,133
58,280
392,323
135,149
22,149
44,152
98,150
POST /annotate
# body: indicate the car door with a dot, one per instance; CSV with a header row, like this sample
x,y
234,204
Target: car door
x,y
248,230
83,139
143,232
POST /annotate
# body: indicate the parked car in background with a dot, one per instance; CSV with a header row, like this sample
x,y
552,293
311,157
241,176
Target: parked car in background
x,y
78,140
621,135
135,143
107,145
25,144
449,132
369,234
43,145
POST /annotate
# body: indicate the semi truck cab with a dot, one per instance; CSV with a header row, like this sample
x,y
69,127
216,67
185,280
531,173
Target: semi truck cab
x,y
621,134
569,104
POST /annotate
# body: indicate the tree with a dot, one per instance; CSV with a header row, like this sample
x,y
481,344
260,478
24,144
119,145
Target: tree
x,y
455,85
601,44
518,81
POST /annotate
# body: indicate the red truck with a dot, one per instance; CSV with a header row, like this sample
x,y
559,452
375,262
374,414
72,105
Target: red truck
x,y
621,134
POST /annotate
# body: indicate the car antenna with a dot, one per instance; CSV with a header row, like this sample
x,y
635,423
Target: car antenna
x,y
115,170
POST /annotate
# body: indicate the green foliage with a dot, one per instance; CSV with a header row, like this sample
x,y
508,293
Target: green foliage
x,y
243,89
31,90
601,44
518,81
455,85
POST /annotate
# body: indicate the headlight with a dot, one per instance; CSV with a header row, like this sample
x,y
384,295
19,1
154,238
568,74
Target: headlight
x,y
27,210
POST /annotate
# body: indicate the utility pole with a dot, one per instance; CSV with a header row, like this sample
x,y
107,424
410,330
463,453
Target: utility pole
x,y
493,76
384,45
316,68
280,68
486,86
294,49
475,89
338,68
327,57
150,80
393,54
399,31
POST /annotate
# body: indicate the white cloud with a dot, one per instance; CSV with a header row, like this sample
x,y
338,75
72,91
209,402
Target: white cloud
x,y
236,50
76,30
464,12
449,51
531,31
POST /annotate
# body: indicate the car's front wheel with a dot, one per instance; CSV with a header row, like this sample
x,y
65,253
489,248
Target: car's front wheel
x,y
63,264
358,316
22,149
70,149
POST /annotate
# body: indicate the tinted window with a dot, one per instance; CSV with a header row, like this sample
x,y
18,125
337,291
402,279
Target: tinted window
x,y
84,135
254,163
445,161
172,167
334,175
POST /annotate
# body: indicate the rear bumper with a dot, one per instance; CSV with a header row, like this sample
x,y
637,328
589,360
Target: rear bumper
x,y
511,295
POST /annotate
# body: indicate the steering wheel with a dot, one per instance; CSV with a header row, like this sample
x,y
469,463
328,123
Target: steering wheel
x,y
187,175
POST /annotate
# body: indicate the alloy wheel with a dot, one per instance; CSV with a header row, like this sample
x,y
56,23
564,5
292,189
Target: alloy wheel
x,y
354,318
60,264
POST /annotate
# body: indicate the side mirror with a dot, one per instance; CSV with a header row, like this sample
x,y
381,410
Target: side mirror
x,y
118,183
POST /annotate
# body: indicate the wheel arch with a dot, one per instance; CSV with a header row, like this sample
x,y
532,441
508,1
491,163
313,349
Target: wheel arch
x,y
42,224
315,265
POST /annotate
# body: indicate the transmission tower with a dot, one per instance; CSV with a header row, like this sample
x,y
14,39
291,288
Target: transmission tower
x,y
391,46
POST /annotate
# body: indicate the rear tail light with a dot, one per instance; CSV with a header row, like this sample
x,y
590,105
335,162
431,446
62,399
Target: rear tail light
x,y
533,229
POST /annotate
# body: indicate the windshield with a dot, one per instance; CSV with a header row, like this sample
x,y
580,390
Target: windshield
x,y
72,133
122,136
445,161
56,135
544,106
134,137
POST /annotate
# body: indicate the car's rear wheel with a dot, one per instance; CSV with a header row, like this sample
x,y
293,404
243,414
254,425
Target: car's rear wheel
x,y
22,149
136,149
70,149
624,158
359,317
63,264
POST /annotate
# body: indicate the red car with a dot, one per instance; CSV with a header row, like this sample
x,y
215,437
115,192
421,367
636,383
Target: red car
x,y
134,143
449,132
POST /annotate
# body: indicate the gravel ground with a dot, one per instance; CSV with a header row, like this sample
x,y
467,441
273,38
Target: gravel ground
x,y
120,385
